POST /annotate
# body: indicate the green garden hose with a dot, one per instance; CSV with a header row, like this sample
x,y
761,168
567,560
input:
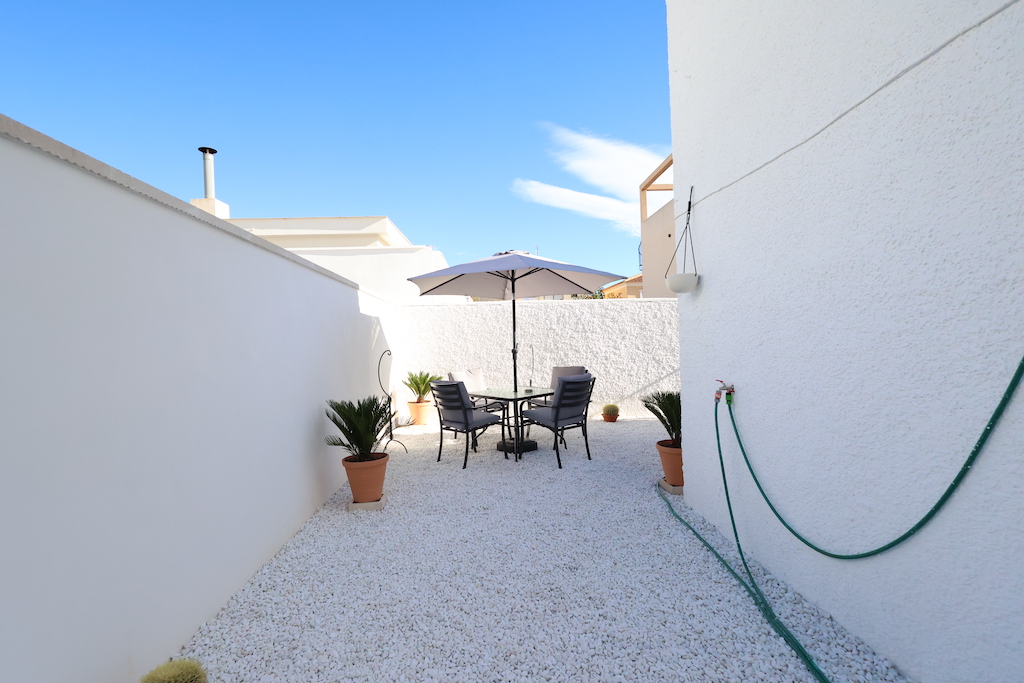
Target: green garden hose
x,y
753,590
762,604
996,415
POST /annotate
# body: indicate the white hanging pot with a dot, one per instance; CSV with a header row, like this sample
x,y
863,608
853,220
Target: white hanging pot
x,y
680,283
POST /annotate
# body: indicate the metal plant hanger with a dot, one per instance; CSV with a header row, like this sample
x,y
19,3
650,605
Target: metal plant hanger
x,y
683,282
387,394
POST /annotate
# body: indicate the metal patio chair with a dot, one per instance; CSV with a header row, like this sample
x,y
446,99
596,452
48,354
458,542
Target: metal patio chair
x,y
568,410
557,372
457,414
474,381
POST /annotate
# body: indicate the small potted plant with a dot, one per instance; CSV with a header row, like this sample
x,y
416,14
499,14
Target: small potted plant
x,y
363,427
666,407
419,384
610,412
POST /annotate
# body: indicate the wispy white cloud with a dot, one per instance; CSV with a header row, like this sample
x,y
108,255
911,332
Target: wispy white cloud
x,y
624,214
612,166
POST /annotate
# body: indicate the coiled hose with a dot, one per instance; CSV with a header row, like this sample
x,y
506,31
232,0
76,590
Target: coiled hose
x,y
753,590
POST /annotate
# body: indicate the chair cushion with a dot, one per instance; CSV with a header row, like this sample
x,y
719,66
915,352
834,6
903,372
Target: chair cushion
x,y
473,379
565,371
477,419
557,373
455,417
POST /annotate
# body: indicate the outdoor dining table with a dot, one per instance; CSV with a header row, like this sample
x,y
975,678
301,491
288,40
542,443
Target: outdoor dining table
x,y
518,445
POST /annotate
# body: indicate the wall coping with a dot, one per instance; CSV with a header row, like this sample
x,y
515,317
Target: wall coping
x,y
20,133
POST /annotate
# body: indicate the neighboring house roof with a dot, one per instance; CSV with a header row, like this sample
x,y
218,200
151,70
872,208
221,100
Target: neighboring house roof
x,y
622,288
334,231
368,250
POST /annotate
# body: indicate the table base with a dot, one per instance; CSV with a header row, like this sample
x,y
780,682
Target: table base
x,y
509,446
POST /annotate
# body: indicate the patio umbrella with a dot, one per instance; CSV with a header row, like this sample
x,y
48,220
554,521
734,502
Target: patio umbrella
x,y
513,274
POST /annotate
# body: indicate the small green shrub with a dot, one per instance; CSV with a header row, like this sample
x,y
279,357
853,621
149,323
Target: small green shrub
x,y
177,671
610,409
419,384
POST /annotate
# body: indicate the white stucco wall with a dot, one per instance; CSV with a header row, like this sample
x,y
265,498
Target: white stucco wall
x,y
630,345
164,377
865,293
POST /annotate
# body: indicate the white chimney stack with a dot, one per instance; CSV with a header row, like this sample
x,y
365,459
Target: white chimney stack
x,y
209,203
208,153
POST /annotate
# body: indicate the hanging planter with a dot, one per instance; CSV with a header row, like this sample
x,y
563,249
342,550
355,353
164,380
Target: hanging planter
x,y
680,283
684,282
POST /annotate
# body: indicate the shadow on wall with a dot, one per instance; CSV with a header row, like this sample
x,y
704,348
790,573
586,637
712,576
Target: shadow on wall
x,y
370,342
669,379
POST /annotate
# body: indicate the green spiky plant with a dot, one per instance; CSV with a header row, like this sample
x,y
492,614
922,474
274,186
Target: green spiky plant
x,y
362,426
610,409
419,384
665,406
177,671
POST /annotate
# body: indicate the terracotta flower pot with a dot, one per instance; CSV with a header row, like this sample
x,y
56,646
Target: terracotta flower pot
x,y
609,418
671,462
418,411
366,479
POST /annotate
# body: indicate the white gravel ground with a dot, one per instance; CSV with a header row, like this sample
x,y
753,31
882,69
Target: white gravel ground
x,y
516,571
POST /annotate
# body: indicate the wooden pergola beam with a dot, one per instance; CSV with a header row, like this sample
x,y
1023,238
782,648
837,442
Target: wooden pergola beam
x,y
649,185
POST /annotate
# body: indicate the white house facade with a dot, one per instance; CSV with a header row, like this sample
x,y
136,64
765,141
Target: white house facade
x,y
858,173
368,250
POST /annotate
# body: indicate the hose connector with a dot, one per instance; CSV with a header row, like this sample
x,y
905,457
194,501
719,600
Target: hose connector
x,y
729,391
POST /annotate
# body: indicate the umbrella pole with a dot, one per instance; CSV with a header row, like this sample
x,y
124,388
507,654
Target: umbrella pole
x,y
515,349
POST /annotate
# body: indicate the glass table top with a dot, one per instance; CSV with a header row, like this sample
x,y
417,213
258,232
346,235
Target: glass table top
x,y
506,393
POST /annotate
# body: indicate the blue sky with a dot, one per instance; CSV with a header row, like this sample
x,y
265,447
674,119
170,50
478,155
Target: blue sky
x,y
468,123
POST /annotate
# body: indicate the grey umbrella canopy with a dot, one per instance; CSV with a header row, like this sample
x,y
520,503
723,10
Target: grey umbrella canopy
x,y
511,275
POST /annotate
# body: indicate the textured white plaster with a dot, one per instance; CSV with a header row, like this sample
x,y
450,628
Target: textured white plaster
x,y
630,345
162,411
865,293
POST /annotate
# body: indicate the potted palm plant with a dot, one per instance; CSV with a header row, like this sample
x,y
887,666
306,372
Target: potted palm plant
x,y
666,407
363,426
419,384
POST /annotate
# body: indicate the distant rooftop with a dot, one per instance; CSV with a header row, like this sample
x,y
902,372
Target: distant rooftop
x,y
361,231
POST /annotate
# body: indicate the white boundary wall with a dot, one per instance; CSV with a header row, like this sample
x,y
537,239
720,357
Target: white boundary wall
x,y
630,345
865,293
164,381
164,376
